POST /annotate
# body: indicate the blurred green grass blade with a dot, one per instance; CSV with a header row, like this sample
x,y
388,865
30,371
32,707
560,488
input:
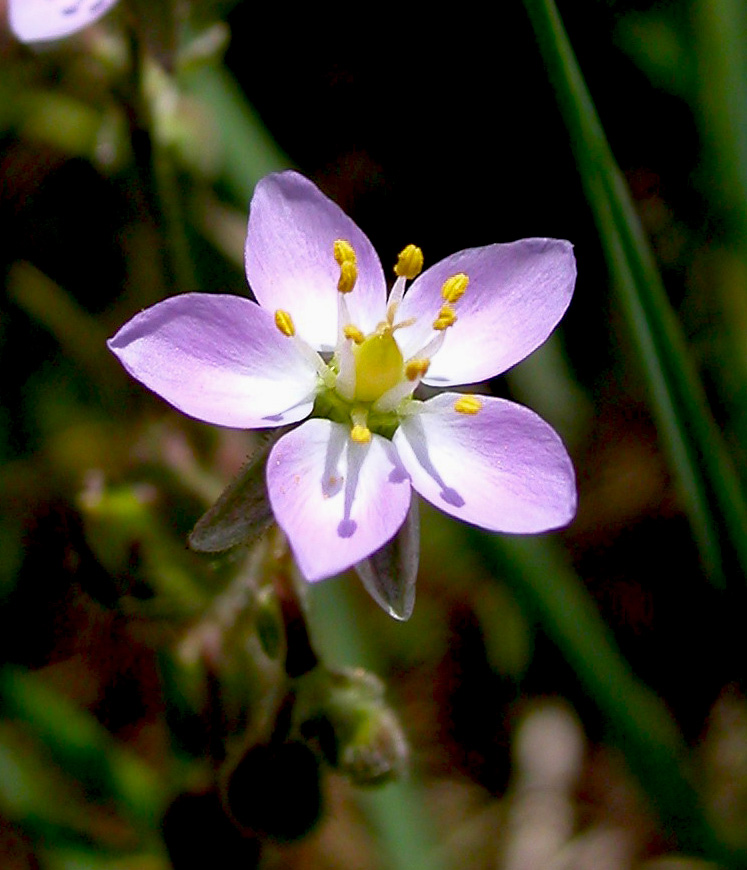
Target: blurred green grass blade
x,y
82,748
713,498
249,151
638,722
720,29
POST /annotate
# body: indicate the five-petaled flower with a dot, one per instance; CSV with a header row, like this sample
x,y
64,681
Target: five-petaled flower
x,y
45,20
324,342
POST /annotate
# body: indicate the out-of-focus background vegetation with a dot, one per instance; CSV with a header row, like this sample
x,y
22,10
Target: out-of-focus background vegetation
x,y
575,700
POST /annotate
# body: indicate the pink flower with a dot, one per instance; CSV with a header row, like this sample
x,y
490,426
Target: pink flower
x,y
44,20
324,342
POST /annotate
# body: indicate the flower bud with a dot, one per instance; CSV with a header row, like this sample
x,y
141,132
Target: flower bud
x,y
348,720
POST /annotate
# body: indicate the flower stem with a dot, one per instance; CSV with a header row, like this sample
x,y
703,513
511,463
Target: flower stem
x,y
156,164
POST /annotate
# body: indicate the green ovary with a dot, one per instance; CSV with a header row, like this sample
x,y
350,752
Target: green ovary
x,y
378,366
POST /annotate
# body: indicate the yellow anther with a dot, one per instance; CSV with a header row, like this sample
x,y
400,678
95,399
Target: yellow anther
x,y
344,252
353,333
284,322
348,276
416,368
454,287
360,434
409,263
446,318
468,404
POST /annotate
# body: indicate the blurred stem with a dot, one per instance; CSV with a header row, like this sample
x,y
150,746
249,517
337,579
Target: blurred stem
x,y
638,721
396,811
713,498
248,149
157,164
79,335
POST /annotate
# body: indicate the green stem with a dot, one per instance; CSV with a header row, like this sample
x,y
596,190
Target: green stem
x,y
396,812
157,167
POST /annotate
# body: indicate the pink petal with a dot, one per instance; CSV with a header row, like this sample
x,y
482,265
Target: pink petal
x,y
336,500
503,469
220,359
42,20
290,262
517,293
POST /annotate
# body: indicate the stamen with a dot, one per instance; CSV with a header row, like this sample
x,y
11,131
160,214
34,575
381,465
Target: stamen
x,y
395,297
348,276
409,263
392,398
284,323
432,347
446,318
344,252
347,261
360,434
345,384
353,333
468,404
417,368
454,287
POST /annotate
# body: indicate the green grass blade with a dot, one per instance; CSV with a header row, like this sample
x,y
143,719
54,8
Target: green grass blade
x,y
712,495
249,151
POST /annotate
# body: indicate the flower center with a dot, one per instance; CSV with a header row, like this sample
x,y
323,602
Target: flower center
x,y
379,366
368,383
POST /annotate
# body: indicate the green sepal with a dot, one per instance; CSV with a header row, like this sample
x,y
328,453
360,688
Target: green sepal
x,y
242,512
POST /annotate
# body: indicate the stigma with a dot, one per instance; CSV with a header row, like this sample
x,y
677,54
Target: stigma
x,y
379,365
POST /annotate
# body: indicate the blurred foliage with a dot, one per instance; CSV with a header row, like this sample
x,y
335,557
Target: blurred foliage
x,y
584,692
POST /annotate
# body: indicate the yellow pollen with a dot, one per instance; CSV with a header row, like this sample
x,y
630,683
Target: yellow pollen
x,y
284,322
446,318
353,333
360,434
468,404
344,252
454,287
416,368
409,263
348,276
